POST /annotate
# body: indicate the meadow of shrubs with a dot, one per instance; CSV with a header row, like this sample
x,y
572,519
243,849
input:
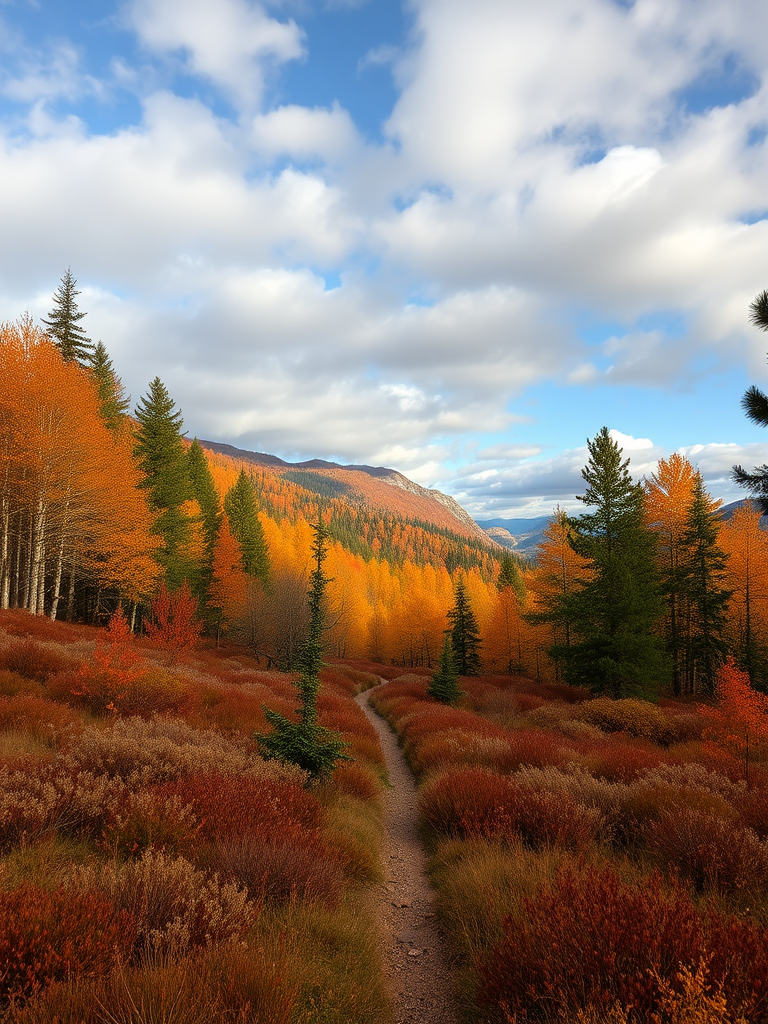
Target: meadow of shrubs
x,y
154,868
597,861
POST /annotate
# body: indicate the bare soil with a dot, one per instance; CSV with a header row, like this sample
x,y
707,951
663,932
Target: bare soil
x,y
417,965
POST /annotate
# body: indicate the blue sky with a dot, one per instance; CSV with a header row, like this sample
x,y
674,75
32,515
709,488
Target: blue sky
x,y
452,238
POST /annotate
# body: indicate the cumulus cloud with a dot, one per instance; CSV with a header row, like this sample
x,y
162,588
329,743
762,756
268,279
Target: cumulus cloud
x,y
228,42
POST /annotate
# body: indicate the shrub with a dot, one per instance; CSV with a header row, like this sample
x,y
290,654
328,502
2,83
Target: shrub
x,y
147,819
229,806
452,801
38,717
709,852
30,659
591,940
50,935
279,870
356,780
630,715
619,760
175,906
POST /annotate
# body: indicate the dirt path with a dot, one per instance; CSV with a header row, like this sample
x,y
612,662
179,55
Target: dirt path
x,y
417,965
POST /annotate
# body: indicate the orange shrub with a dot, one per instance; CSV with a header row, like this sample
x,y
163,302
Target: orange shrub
x,y
619,760
41,718
354,779
635,717
50,935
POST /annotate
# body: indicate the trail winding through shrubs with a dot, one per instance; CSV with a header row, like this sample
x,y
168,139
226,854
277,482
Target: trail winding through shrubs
x,y
417,966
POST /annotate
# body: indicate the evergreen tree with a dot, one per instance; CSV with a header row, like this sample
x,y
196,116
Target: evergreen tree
x,y
464,633
203,489
755,405
509,576
614,612
701,577
63,323
159,450
444,685
113,400
305,743
240,506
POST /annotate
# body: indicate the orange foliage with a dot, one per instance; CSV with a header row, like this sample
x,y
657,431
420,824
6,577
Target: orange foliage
x,y
739,720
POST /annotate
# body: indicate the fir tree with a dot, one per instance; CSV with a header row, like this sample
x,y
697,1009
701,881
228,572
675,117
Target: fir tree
x,y
63,323
306,743
614,612
113,400
464,633
701,577
159,450
240,506
203,489
509,576
444,685
755,405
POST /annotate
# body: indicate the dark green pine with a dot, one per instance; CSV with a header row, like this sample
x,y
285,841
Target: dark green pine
x,y
614,614
701,583
63,323
113,401
464,633
240,506
159,450
444,684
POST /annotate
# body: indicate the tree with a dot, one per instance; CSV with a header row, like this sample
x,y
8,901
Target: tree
x,y
204,492
464,633
747,576
306,743
63,323
701,575
444,685
614,612
755,405
668,498
240,506
113,401
174,623
739,720
229,583
159,449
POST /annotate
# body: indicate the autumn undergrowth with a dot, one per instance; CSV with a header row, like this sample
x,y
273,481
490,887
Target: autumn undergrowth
x,y
153,867
597,861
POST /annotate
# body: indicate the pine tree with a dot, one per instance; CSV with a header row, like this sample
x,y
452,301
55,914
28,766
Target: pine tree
x,y
702,574
464,633
306,743
63,323
113,401
159,450
444,685
615,611
240,506
755,405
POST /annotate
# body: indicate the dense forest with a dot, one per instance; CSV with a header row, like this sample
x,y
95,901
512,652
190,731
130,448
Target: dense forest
x,y
648,591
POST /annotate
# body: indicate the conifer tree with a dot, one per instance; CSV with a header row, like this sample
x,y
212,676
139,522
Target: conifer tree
x,y
444,685
240,506
159,450
203,489
63,323
755,405
306,743
615,611
464,633
702,575
509,576
113,401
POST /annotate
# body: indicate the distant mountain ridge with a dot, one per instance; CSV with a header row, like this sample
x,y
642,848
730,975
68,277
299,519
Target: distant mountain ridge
x,y
370,485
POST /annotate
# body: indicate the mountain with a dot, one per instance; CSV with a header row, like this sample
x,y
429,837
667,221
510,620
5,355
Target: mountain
x,y
370,487
521,535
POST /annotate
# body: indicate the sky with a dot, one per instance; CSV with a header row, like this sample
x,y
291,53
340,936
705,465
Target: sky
x,y
452,238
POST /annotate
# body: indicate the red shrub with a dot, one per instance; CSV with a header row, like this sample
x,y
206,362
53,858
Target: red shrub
x,y
620,760
356,780
279,870
36,715
22,623
537,748
46,936
708,851
229,805
147,819
474,802
590,939
30,659
752,806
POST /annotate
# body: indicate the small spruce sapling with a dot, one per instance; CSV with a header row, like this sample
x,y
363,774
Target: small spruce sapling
x,y
306,743
444,685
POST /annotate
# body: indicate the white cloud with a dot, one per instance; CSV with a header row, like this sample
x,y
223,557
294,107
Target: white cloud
x,y
228,41
300,133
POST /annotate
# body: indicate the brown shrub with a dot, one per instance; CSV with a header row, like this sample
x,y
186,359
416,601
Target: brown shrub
x,y
38,717
145,819
32,660
356,780
635,717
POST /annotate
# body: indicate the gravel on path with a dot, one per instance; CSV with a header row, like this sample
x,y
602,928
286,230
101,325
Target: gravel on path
x,y
417,965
